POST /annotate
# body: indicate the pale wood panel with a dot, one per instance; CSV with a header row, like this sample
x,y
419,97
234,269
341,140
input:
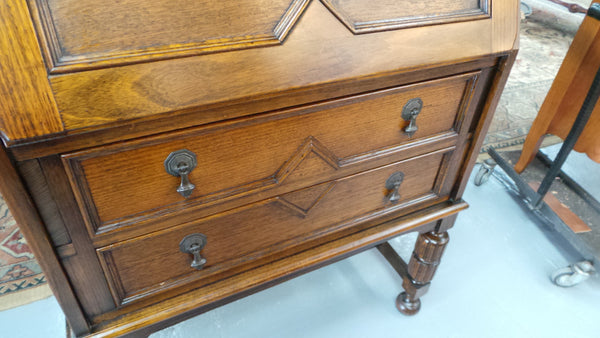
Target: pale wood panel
x,y
565,97
505,27
574,96
320,50
27,108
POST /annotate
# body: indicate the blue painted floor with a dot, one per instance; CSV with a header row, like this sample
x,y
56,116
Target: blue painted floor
x,y
493,282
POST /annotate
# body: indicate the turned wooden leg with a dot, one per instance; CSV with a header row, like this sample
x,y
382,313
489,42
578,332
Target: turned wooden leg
x,y
421,268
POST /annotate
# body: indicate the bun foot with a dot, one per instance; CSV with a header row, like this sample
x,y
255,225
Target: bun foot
x,y
406,305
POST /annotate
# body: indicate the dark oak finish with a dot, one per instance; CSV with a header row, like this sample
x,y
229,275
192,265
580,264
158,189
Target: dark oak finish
x,y
421,268
308,143
222,292
38,186
249,233
482,124
150,221
83,267
32,227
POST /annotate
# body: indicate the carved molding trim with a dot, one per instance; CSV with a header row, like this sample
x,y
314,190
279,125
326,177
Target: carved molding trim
x,y
286,172
302,210
61,62
357,26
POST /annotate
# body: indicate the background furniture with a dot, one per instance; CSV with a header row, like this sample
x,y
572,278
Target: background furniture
x,y
566,96
570,111
166,158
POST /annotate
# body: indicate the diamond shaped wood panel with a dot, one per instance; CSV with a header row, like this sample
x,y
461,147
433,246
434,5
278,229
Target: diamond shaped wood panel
x,y
84,34
365,16
302,201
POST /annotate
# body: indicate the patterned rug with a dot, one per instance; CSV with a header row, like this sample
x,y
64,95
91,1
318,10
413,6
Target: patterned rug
x,y
20,274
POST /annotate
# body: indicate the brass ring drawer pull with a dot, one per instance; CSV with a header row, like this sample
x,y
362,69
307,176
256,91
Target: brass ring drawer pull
x,y
411,110
193,244
180,163
393,186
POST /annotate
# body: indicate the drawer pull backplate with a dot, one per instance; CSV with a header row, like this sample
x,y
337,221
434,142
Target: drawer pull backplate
x,y
193,244
393,186
411,110
180,163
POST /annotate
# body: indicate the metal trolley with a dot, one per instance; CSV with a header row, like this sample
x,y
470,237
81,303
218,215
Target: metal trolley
x,y
580,271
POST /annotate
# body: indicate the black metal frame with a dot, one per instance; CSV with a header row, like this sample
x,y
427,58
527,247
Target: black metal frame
x,y
534,198
569,182
580,122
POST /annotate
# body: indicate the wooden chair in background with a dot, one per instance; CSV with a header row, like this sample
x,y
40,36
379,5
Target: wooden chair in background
x,y
566,96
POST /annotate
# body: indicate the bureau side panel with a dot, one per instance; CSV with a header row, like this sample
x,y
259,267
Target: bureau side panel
x,y
23,209
483,118
36,183
79,260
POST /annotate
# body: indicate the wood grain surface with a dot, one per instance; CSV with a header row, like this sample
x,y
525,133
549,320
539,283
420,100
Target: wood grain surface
x,y
131,31
31,226
295,139
298,148
178,308
27,107
133,129
364,16
251,232
320,50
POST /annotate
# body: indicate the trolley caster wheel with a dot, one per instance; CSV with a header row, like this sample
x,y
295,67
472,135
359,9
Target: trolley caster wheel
x,y
485,171
573,274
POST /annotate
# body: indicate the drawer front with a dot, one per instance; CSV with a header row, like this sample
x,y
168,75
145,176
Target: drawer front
x,y
127,184
270,229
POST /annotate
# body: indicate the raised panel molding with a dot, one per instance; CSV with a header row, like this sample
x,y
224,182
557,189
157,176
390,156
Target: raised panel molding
x,y
87,34
366,16
312,159
301,202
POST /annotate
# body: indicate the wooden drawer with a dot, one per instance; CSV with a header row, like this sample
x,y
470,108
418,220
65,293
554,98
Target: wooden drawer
x,y
270,229
127,185
294,111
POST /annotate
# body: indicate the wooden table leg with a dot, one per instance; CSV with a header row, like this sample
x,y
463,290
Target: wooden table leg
x,y
421,268
417,275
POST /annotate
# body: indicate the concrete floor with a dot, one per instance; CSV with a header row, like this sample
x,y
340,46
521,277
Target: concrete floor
x,y
493,282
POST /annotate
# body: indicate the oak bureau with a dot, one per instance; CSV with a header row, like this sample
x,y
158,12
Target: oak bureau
x,y
164,158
